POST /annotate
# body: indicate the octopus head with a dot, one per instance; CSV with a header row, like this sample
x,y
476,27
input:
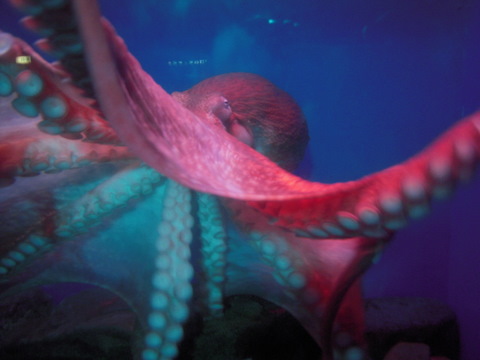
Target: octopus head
x,y
254,111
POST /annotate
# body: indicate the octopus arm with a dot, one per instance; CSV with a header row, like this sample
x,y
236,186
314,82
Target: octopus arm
x,y
46,92
182,146
113,243
25,150
41,212
106,256
383,202
316,281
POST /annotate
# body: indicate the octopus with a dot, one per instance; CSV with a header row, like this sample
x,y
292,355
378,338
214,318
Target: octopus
x,y
175,201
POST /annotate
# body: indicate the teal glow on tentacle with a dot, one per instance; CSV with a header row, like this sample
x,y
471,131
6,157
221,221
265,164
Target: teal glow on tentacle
x,y
130,183
31,246
277,252
213,249
6,86
28,83
172,288
80,215
8,71
38,88
273,245
25,107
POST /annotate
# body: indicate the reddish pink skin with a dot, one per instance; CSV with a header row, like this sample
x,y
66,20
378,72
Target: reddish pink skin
x,y
24,150
269,114
31,152
366,211
220,165
57,82
319,263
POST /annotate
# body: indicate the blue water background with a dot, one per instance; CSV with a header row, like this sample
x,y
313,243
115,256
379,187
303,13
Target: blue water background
x,y
377,80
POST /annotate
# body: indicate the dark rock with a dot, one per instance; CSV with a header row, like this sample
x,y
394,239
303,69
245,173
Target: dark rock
x,y
90,324
255,329
409,351
416,320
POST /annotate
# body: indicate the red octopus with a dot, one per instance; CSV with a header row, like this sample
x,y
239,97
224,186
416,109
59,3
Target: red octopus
x,y
301,244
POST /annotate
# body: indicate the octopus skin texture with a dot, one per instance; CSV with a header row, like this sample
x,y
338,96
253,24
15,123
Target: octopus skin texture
x,y
170,200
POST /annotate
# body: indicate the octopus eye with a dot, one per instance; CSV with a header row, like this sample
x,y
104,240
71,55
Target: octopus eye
x,y
222,110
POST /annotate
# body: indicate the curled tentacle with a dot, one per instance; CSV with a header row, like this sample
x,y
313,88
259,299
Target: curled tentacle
x,y
44,89
314,280
381,203
55,22
62,214
27,152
